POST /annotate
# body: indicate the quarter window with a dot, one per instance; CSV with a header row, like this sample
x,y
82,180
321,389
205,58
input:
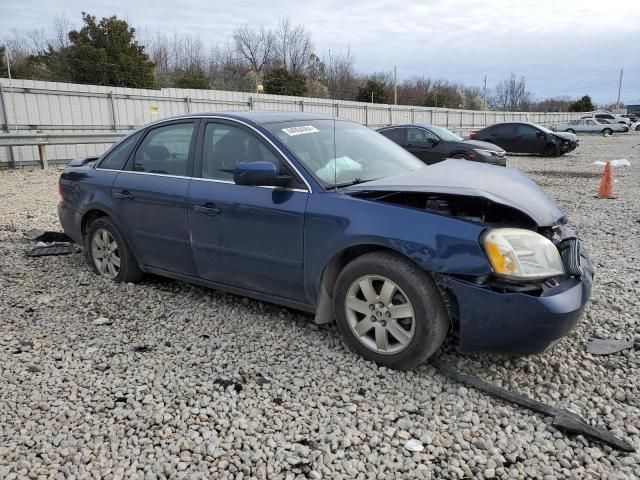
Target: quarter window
x,y
165,150
419,136
226,146
117,157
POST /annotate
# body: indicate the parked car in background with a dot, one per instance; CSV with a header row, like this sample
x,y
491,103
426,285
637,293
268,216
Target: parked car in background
x,y
525,137
433,144
632,118
609,116
588,125
327,216
603,121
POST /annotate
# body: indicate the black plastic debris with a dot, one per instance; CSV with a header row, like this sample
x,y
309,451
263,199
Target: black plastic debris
x,y
261,381
142,349
53,249
227,383
607,346
562,419
47,236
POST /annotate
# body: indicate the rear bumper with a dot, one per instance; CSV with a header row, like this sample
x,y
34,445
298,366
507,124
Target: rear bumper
x,y
71,222
518,323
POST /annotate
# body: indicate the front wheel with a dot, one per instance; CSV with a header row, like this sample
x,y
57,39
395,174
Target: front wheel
x,y
389,310
108,254
637,128
607,132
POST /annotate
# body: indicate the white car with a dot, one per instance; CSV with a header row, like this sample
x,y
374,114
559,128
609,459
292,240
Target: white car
x,y
614,117
588,125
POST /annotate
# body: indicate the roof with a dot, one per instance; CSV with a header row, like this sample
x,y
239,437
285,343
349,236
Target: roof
x,y
259,117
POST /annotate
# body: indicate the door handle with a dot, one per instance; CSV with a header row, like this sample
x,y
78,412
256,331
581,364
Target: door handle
x,y
208,208
124,195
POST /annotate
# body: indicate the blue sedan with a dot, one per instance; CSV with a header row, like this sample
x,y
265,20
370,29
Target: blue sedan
x,y
330,217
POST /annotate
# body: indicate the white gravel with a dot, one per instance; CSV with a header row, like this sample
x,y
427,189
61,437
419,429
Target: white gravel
x,y
164,379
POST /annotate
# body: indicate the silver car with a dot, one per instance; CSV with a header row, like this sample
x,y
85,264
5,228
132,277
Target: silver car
x,y
588,125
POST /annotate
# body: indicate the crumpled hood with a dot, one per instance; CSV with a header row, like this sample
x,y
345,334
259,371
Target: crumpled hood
x,y
460,177
566,135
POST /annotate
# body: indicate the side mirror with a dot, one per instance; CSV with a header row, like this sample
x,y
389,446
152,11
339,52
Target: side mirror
x,y
539,134
432,141
259,174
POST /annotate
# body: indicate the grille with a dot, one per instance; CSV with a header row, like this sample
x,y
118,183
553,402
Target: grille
x,y
570,253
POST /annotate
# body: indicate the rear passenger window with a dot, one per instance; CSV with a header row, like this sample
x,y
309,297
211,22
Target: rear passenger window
x,y
116,158
165,150
395,134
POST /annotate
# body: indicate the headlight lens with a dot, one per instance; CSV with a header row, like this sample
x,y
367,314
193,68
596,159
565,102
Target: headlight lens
x,y
485,152
522,254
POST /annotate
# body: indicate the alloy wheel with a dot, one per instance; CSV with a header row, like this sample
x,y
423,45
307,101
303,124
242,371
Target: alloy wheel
x,y
105,253
380,314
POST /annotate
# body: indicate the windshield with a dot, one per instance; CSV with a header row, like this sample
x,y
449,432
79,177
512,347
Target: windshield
x,y
445,134
351,153
544,129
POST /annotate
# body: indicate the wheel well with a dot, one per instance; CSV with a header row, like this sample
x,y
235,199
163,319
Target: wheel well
x,y
90,217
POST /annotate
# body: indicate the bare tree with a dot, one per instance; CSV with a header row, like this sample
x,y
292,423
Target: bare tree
x,y
293,46
341,77
511,94
256,46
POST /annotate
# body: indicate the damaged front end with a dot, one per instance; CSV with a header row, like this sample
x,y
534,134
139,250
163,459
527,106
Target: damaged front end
x,y
503,313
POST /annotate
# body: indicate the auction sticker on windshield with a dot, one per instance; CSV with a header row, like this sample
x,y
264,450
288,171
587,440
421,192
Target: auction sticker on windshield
x,y
300,130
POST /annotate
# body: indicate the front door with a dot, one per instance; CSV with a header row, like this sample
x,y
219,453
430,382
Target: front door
x,y
529,139
245,236
424,145
150,196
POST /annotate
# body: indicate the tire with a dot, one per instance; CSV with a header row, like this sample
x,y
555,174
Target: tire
x,y
552,150
387,338
607,131
637,128
118,263
570,130
459,155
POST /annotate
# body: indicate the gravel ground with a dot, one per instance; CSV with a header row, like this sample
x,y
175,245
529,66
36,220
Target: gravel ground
x,y
187,382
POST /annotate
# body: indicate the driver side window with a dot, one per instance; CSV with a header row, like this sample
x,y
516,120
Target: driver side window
x,y
165,150
226,146
419,136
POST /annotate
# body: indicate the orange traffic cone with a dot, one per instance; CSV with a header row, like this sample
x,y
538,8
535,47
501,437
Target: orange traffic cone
x,y
606,185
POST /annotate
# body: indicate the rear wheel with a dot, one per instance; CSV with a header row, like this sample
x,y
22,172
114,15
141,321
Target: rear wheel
x,y
637,128
389,310
108,254
607,131
459,155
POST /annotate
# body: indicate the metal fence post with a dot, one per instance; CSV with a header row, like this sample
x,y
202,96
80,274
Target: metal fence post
x,y
337,110
390,116
447,118
302,105
187,102
3,107
413,115
250,103
42,153
114,120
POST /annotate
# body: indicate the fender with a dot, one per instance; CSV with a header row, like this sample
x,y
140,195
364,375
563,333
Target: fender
x,y
416,234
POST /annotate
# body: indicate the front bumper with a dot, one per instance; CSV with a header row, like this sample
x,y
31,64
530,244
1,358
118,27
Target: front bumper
x,y
518,323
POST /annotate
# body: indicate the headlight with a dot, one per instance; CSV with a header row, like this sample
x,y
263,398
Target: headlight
x,y
522,254
486,152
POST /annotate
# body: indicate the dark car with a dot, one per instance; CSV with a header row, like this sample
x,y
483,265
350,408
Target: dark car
x,y
433,144
330,217
525,137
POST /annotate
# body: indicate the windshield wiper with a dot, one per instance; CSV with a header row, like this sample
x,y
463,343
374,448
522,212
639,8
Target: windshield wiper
x,y
355,181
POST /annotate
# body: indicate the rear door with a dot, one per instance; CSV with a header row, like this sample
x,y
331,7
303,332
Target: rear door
x,y
245,236
395,134
150,196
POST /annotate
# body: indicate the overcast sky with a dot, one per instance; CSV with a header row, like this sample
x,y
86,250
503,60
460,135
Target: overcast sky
x,y
562,47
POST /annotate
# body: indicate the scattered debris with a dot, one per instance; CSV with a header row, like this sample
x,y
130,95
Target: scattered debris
x,y
622,162
52,249
48,236
607,346
261,381
33,369
414,445
227,383
102,321
563,419
142,349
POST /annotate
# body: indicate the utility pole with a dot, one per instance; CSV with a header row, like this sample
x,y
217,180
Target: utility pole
x,y
619,89
13,101
484,96
330,75
395,85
